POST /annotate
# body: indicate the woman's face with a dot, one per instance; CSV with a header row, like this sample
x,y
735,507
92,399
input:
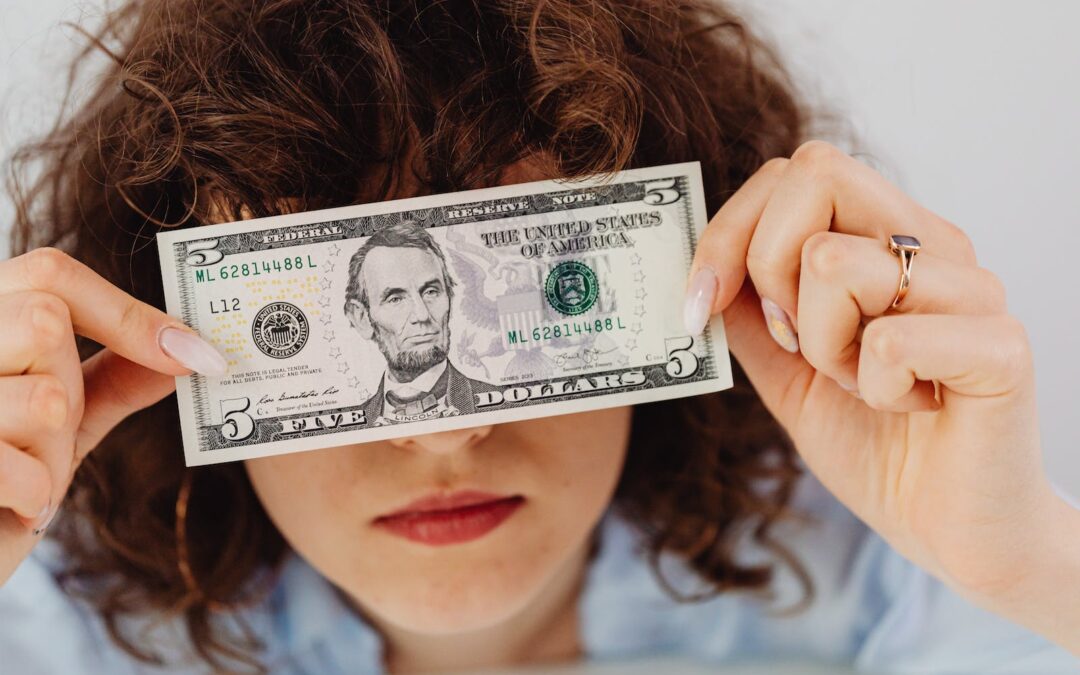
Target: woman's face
x,y
327,504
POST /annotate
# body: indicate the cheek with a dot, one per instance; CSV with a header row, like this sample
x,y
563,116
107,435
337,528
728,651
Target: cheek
x,y
388,318
301,492
440,308
582,456
382,319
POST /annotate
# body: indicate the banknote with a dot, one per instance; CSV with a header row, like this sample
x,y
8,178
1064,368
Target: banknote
x,y
441,312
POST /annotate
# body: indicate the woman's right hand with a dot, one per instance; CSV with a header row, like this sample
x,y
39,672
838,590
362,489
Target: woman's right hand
x,y
55,409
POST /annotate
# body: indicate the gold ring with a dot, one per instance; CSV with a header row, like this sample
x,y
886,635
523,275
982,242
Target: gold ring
x,y
905,247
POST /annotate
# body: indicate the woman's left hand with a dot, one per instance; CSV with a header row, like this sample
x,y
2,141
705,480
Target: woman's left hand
x,y
951,476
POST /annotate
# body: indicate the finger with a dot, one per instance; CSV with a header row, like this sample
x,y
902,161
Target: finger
x,y
37,324
976,357
846,277
822,188
115,388
44,320
33,406
781,378
723,245
99,310
25,484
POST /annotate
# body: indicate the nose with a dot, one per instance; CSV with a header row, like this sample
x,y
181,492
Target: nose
x,y
419,312
444,442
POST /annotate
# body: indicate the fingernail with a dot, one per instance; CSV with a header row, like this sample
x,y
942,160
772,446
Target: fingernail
x,y
779,325
192,352
44,519
699,300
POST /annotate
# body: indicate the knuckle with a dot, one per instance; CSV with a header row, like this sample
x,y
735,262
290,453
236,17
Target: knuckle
x,y
1014,349
46,266
885,342
776,165
764,261
49,320
48,402
993,288
817,158
756,262
761,267
823,255
961,241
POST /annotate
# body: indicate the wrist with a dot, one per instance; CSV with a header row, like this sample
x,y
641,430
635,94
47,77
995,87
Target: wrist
x,y
1044,592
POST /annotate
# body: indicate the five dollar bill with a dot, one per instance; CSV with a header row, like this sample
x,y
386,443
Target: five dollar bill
x,y
442,312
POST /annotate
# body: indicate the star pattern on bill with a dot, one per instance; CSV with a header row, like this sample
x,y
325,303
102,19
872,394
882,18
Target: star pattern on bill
x,y
334,250
343,367
325,283
328,335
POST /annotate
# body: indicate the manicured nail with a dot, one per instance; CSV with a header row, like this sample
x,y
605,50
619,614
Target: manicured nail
x,y
44,519
192,352
699,300
779,325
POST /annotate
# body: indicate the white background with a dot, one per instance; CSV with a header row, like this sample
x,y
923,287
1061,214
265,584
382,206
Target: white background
x,y
971,107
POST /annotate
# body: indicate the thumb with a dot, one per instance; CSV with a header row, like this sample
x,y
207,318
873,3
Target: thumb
x,y
114,389
780,377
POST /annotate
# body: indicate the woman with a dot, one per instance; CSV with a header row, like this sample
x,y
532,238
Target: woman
x,y
685,526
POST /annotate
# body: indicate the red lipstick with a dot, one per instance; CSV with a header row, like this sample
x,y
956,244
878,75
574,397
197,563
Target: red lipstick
x,y
442,519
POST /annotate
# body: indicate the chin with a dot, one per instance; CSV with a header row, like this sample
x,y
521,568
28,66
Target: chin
x,y
443,604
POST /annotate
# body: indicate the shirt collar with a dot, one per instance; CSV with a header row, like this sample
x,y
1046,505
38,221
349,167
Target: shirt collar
x,y
312,620
422,382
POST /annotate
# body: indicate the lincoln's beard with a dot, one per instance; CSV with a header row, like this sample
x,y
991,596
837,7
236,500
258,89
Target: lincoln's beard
x,y
407,364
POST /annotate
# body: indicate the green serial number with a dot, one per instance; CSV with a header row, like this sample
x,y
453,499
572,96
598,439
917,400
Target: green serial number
x,y
564,329
254,269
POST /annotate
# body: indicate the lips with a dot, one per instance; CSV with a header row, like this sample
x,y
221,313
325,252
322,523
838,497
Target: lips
x,y
442,519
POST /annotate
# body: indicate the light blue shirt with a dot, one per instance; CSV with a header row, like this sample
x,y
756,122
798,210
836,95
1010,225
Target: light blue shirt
x,y
871,609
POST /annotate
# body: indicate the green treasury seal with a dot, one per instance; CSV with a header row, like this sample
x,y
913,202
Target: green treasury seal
x,y
571,287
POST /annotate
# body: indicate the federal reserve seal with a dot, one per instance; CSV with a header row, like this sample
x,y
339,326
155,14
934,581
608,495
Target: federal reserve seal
x,y
571,287
280,330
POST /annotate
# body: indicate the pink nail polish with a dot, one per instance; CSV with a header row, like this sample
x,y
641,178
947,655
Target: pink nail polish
x,y
700,295
192,352
776,319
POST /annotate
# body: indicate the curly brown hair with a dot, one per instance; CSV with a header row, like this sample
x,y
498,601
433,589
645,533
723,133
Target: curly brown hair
x,y
231,106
